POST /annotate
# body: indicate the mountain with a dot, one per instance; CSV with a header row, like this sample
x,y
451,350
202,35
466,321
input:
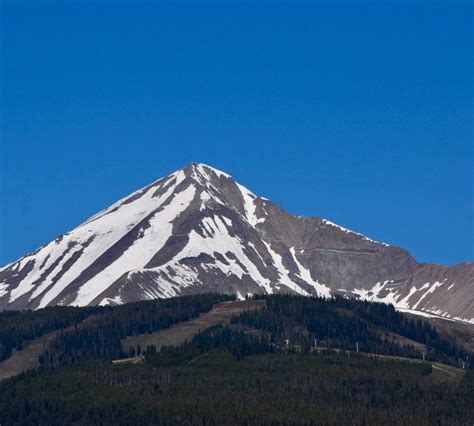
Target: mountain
x,y
198,230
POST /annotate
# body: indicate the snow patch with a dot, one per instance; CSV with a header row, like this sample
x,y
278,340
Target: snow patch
x,y
249,205
218,240
227,220
321,289
117,300
203,169
3,289
108,229
348,231
204,197
283,272
141,251
432,288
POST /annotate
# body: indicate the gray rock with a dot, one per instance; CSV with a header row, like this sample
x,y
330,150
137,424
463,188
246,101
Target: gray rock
x,y
198,230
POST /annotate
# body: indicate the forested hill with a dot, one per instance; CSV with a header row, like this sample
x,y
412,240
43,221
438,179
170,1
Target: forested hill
x,y
302,322
293,358
112,323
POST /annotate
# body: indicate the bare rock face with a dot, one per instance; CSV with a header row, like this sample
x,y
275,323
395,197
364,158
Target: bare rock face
x,y
198,230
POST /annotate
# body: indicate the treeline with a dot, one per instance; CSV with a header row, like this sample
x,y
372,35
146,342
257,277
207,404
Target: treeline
x,y
347,324
19,327
101,338
304,322
387,317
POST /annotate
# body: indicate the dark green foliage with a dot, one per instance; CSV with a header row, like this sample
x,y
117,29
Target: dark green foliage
x,y
17,328
218,388
386,316
341,323
239,374
237,342
101,338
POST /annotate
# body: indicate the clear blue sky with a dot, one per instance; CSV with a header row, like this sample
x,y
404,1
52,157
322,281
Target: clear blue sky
x,y
360,112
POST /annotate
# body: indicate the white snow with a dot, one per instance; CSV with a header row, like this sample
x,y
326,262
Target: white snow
x,y
3,289
249,205
469,320
141,251
111,301
45,256
219,240
432,288
393,297
49,279
283,272
227,220
348,231
415,312
321,289
202,169
107,230
159,183
402,305
204,197
436,314
258,254
100,232
207,222
203,178
390,298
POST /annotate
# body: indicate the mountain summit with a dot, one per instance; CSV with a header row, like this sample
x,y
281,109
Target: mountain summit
x,y
198,230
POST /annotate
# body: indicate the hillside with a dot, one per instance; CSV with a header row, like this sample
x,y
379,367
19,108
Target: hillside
x,y
204,359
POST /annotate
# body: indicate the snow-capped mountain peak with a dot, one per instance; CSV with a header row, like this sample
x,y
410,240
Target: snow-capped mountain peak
x,y
198,230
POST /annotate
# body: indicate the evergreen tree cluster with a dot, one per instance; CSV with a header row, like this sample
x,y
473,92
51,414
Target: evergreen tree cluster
x,y
217,388
101,338
19,327
344,323
237,342
260,369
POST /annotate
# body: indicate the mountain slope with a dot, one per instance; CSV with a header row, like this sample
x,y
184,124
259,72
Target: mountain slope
x,y
197,230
